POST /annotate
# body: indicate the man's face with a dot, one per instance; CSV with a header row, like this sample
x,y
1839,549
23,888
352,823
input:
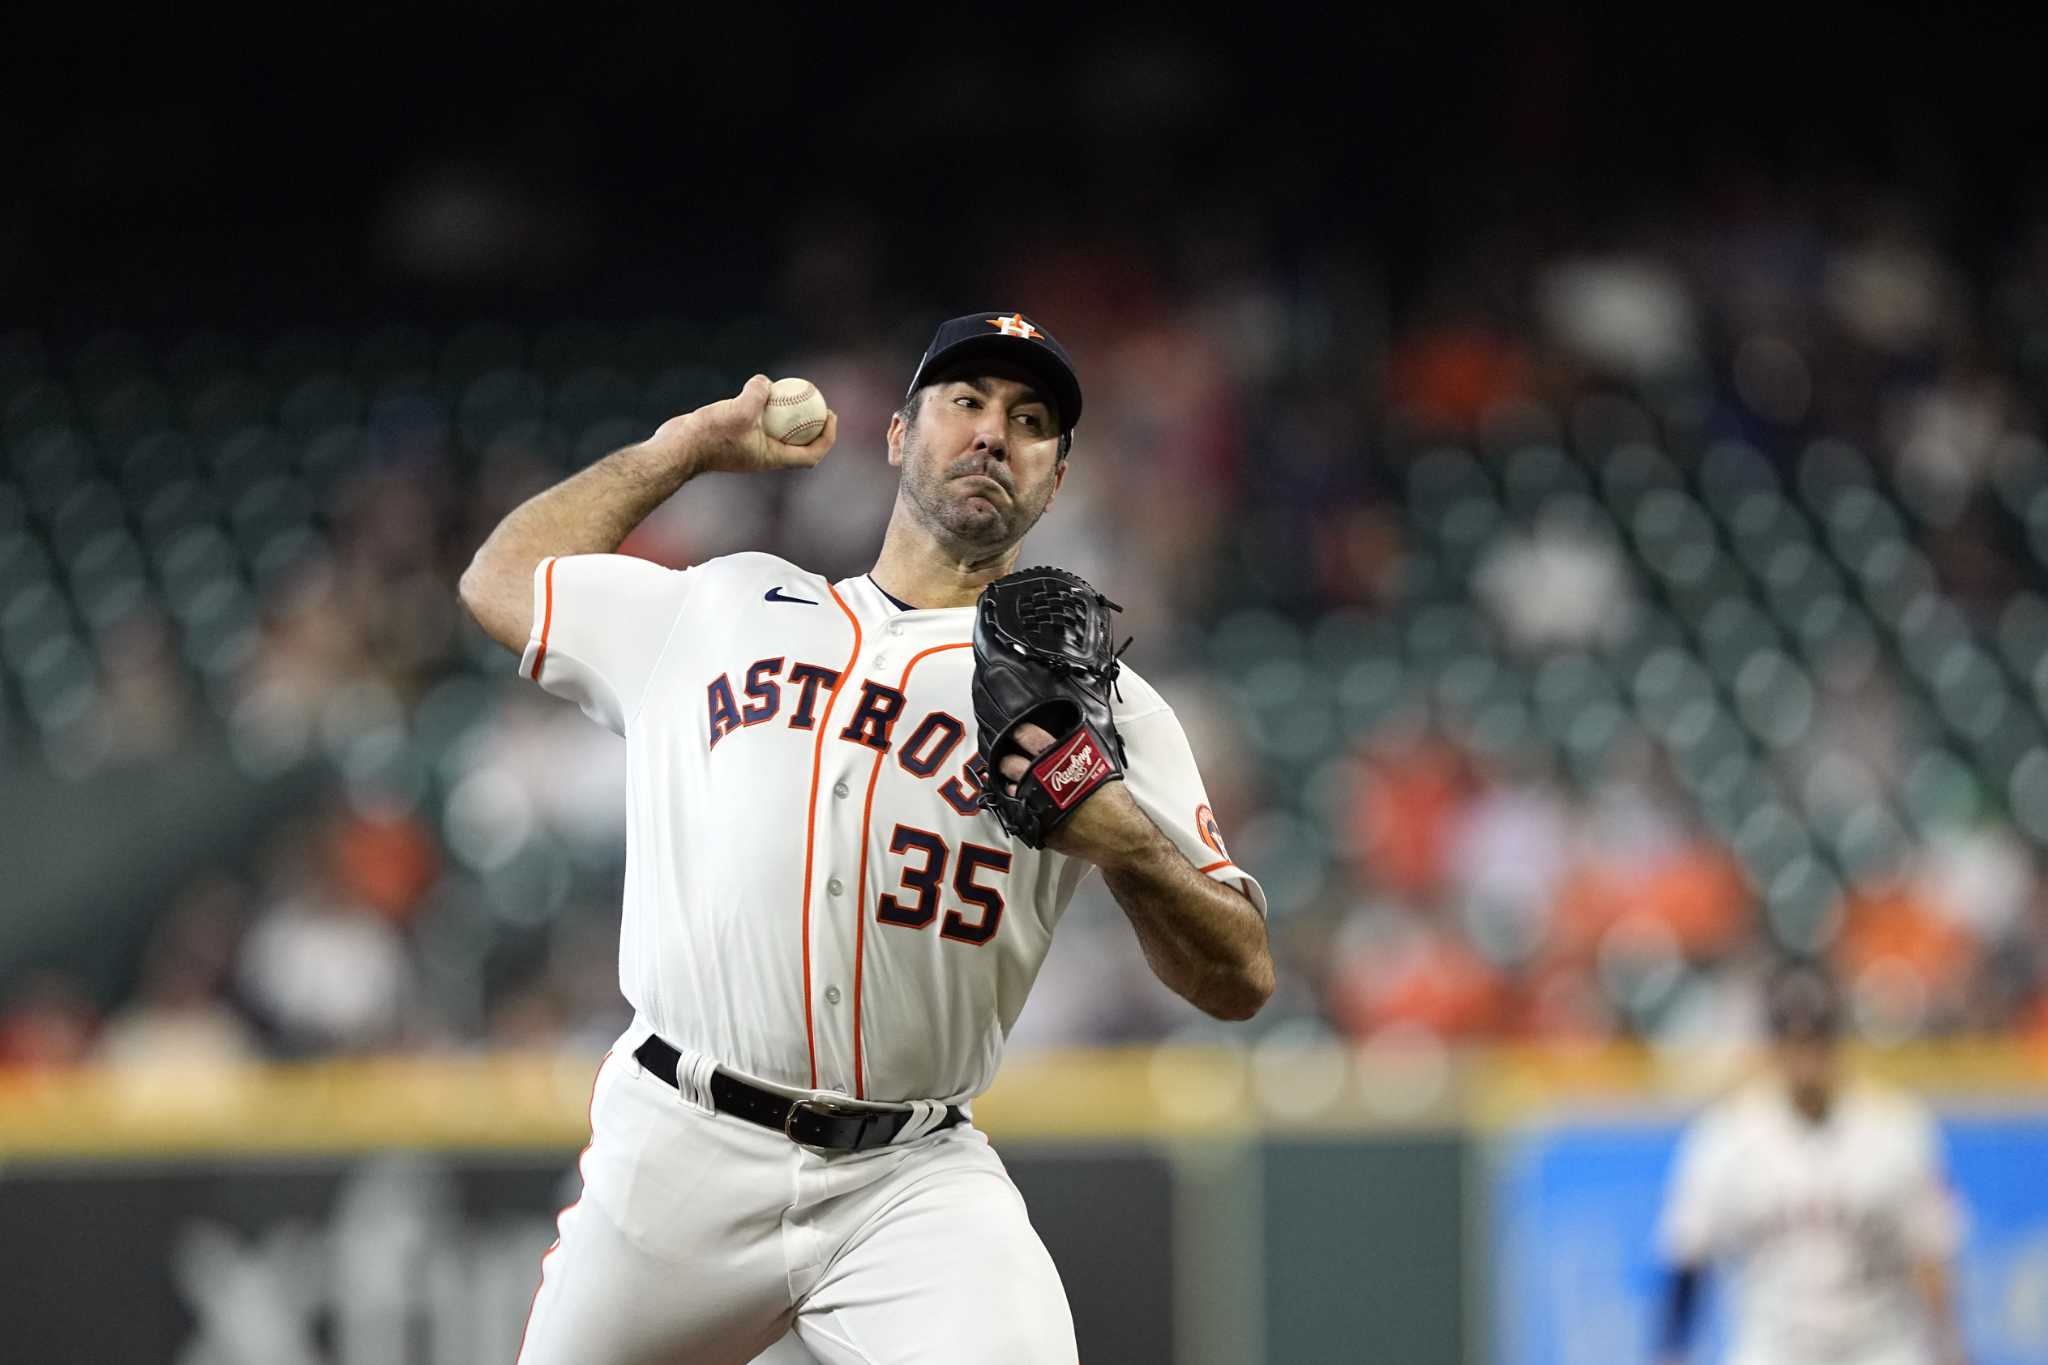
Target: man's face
x,y
1808,1064
981,462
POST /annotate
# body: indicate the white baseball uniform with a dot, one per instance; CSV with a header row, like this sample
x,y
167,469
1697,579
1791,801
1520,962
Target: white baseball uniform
x,y
814,902
1822,1222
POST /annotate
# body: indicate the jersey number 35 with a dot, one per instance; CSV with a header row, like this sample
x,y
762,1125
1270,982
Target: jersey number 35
x,y
924,881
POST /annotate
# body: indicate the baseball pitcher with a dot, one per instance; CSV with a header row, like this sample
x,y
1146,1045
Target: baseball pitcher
x,y
856,812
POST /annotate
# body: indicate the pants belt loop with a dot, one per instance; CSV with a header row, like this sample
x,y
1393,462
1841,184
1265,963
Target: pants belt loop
x,y
925,1115
693,1080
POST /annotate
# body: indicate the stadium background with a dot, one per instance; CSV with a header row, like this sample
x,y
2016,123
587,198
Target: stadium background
x,y
1581,483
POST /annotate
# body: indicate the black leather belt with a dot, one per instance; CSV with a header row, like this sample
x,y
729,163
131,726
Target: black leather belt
x,y
824,1124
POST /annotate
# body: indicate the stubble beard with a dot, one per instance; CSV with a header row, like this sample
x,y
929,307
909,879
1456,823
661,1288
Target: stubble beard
x,y
969,528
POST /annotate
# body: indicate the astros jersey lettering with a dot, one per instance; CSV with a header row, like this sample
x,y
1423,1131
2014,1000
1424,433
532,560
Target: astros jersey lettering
x,y
813,897
1823,1222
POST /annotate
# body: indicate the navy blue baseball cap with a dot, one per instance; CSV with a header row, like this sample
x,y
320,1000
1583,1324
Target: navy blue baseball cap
x,y
1012,337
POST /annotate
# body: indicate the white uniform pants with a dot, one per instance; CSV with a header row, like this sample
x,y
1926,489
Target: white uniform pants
x,y
703,1238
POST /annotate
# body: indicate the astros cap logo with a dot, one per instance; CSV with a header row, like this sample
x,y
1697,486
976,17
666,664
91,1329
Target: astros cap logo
x,y
1015,326
980,334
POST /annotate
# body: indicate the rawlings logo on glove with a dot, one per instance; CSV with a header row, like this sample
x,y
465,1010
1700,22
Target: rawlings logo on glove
x,y
1042,655
1076,775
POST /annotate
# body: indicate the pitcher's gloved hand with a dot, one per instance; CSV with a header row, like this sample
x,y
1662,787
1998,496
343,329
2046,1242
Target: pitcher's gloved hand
x,y
1043,658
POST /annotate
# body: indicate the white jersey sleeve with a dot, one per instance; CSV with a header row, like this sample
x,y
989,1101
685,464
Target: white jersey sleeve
x,y
600,624
1930,1218
1691,1230
1167,786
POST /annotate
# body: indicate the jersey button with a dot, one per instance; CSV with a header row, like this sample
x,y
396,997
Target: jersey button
x,y
895,627
831,995
840,789
834,886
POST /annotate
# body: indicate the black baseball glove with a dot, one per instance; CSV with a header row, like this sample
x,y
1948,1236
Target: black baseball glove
x,y
1042,654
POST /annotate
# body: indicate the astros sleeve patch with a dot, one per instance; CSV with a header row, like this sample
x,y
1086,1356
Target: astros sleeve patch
x,y
1167,786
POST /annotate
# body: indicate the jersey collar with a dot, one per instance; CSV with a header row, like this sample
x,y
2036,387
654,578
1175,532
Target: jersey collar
x,y
873,599
891,598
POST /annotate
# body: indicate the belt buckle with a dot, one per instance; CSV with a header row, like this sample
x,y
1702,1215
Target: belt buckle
x,y
829,1108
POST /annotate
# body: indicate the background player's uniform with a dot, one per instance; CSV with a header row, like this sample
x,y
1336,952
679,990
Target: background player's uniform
x,y
1823,1223
814,900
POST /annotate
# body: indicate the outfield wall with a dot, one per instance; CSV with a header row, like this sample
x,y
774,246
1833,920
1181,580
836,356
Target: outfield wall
x,y
1202,1211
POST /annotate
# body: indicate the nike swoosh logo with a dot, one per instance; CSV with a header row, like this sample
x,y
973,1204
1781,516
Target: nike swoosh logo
x,y
775,595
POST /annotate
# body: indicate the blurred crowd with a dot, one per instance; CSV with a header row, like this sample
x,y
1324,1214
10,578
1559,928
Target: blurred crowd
x,y
1563,643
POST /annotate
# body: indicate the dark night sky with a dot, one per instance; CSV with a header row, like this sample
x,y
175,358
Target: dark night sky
x,y
171,168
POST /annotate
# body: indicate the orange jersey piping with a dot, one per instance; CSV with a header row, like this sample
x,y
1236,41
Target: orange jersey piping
x,y
811,828
860,899
547,622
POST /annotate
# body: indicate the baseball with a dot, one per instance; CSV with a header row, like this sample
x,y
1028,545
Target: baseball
x,y
795,413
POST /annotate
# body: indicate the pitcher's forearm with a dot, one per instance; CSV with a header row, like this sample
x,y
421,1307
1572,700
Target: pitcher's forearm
x,y
590,512
1204,939
594,511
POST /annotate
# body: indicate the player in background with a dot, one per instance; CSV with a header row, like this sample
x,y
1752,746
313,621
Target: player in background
x,y
1825,1196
